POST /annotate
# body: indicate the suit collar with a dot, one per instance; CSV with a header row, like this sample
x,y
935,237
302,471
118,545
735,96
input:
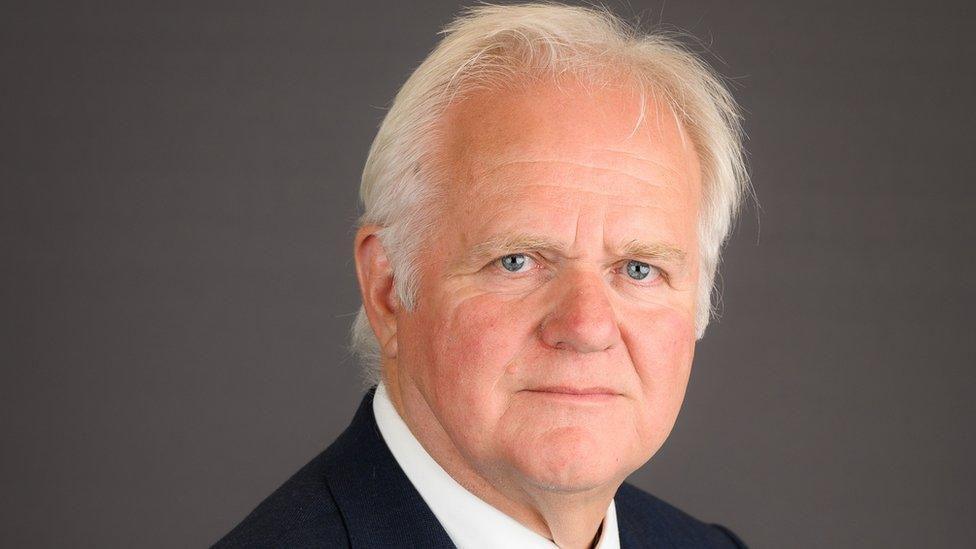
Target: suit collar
x,y
379,505
628,535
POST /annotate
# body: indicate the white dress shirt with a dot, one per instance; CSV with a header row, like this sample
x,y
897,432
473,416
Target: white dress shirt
x,y
470,522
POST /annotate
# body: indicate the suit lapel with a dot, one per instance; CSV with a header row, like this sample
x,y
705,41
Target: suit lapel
x,y
626,530
379,505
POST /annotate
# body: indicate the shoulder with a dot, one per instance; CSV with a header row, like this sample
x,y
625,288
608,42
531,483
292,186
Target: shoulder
x,y
643,517
301,513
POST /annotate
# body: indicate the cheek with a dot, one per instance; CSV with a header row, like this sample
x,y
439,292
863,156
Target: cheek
x,y
663,348
471,347
662,343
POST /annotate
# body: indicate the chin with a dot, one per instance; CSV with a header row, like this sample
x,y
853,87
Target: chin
x,y
570,460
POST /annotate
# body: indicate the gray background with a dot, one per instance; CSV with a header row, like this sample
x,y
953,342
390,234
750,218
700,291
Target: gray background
x,y
179,184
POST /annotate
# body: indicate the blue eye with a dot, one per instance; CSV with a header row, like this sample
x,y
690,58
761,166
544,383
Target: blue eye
x,y
638,270
513,262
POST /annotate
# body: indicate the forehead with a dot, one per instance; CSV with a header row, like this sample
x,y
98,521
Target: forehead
x,y
494,140
566,161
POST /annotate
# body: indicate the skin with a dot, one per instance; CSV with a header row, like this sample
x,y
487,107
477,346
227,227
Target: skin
x,y
541,390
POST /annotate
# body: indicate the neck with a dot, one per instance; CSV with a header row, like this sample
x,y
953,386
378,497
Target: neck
x,y
571,519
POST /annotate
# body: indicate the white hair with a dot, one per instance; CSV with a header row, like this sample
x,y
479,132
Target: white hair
x,y
496,47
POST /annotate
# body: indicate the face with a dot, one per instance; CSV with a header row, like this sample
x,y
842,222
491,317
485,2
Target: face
x,y
554,333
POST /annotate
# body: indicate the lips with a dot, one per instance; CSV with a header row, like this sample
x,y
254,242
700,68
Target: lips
x,y
575,395
575,391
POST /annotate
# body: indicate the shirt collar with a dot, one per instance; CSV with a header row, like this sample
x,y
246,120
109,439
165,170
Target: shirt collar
x,y
470,522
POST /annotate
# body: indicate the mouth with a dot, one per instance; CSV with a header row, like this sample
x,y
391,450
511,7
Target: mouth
x,y
580,394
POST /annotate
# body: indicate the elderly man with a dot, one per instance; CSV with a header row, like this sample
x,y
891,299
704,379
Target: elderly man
x,y
545,203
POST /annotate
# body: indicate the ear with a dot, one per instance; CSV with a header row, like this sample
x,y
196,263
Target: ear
x,y
376,288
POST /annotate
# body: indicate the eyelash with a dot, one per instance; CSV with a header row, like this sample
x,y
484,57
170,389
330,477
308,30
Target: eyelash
x,y
662,274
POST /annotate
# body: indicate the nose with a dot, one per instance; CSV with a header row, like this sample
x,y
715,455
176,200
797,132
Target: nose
x,y
582,318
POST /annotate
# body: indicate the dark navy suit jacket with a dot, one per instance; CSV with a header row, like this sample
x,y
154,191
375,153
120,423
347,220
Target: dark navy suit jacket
x,y
354,494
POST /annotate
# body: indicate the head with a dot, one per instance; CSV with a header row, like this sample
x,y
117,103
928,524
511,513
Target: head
x,y
545,202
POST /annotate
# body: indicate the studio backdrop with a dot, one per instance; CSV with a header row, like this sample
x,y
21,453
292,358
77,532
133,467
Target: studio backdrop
x,y
178,191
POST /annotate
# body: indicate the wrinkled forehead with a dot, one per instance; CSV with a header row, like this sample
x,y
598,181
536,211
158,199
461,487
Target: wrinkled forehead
x,y
602,127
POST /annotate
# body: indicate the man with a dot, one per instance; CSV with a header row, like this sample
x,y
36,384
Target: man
x,y
544,207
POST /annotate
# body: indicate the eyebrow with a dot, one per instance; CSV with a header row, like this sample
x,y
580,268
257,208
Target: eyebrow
x,y
506,243
498,244
655,251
